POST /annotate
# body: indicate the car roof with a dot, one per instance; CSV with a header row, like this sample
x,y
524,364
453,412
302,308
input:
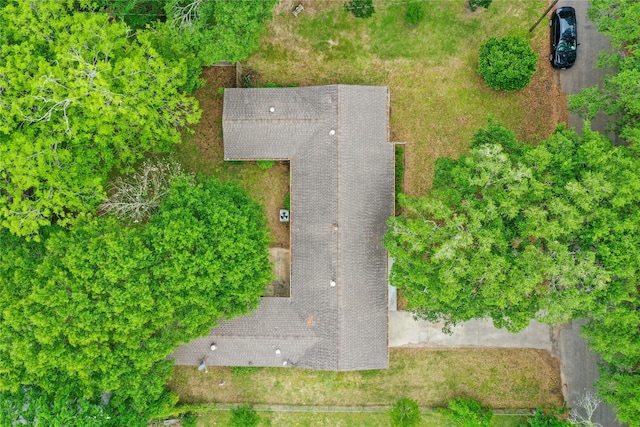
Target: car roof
x,y
567,20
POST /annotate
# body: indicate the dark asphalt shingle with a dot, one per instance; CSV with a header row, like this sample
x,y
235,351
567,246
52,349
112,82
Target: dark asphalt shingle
x,y
342,183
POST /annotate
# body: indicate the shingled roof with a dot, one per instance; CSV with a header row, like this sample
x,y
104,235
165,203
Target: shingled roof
x,y
342,184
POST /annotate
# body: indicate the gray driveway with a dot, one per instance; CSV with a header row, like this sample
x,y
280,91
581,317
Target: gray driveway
x,y
405,331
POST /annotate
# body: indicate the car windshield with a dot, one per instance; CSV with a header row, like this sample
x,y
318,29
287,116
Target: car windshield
x,y
567,45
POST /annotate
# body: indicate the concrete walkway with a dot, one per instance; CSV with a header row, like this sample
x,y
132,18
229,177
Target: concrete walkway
x,y
405,331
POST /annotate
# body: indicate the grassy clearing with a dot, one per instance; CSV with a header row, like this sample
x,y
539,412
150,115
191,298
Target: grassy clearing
x,y
326,419
438,100
499,378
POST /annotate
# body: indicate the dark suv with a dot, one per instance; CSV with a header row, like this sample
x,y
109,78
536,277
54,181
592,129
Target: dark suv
x,y
564,39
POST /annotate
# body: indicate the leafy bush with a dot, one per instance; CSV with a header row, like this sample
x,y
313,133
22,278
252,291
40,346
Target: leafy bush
x,y
468,413
475,4
189,420
244,416
414,14
360,8
265,164
540,419
405,413
507,63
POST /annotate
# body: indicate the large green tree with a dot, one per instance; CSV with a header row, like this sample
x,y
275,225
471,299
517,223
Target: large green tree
x,y
100,306
215,30
79,97
515,233
549,232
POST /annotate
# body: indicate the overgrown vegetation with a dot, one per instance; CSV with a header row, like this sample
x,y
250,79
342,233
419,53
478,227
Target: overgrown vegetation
x,y
475,4
405,413
360,8
463,412
97,101
613,329
244,416
399,174
415,13
507,63
98,307
532,233
541,418
135,197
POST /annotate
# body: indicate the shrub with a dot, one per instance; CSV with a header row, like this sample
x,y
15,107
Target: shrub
x,y
244,416
189,420
475,4
507,63
540,419
265,164
414,14
405,413
468,413
360,8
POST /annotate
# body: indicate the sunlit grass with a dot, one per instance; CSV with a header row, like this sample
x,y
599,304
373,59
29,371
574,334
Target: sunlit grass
x,y
438,100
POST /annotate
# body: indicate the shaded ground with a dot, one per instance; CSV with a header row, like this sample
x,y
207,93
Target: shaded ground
x,y
499,378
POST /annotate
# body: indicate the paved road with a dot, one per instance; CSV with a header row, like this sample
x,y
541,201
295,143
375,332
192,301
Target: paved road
x,y
578,364
579,371
585,73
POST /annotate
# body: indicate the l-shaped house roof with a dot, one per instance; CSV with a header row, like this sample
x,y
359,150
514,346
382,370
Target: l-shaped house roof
x,y
342,191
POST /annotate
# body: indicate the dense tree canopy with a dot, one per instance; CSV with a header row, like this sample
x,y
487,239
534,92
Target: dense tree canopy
x,y
100,306
78,98
516,232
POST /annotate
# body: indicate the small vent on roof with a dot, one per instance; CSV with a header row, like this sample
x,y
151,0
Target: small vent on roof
x,y
332,283
213,346
332,132
272,109
277,351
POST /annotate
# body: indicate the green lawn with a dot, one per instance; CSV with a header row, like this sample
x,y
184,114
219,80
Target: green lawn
x,y
438,100
371,419
498,378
